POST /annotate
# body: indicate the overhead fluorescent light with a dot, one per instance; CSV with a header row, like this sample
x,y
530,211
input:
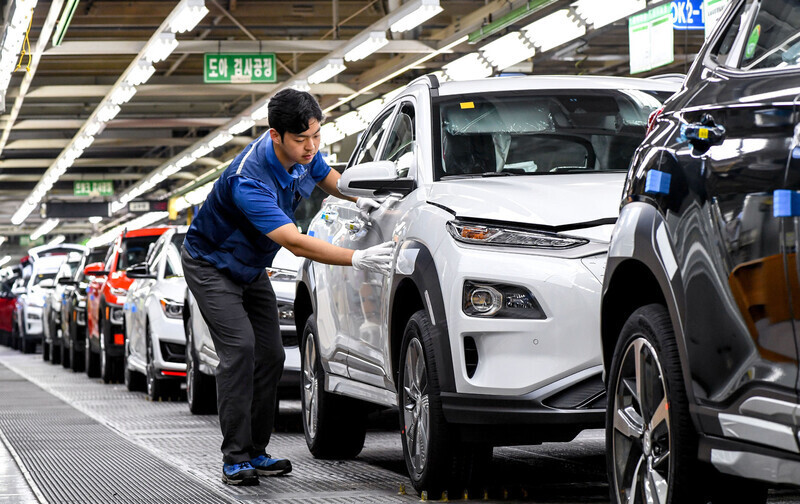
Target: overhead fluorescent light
x,y
94,127
64,21
201,151
140,73
222,138
107,112
160,47
3,239
508,50
332,67
122,94
261,112
468,67
413,14
187,15
243,124
137,223
350,123
366,46
45,228
553,30
83,142
329,134
4,260
599,14
171,170
301,85
184,161
59,239
370,110
95,219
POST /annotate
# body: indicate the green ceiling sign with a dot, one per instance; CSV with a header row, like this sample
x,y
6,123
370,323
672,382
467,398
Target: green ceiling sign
x,y
239,68
93,188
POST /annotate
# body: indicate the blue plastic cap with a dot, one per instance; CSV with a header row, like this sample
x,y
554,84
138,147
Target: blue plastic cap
x,y
785,203
657,182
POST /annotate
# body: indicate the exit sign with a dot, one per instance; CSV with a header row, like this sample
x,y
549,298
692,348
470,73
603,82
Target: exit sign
x,y
93,188
239,68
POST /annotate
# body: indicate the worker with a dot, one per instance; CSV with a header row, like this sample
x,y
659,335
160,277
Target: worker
x,y
246,218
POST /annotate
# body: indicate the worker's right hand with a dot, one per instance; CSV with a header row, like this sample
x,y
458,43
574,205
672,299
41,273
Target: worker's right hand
x,y
377,258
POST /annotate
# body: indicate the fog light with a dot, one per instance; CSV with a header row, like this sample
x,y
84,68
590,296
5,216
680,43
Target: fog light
x,y
482,300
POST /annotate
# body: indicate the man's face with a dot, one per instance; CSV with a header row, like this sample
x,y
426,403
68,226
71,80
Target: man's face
x,y
298,148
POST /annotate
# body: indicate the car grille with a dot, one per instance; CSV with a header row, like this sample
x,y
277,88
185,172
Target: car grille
x,y
173,352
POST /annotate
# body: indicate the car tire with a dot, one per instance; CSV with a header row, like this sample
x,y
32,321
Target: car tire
x,y
65,347
201,389
45,351
157,388
335,426
108,364
91,359
134,381
435,458
76,357
652,444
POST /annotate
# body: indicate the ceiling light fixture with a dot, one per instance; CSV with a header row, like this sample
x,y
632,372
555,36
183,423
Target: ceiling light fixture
x,y
553,30
329,134
366,46
413,14
508,50
201,151
301,85
140,73
94,127
221,139
137,223
242,125
107,112
332,67
95,219
187,15
160,47
4,260
261,112
122,94
599,14
59,239
470,66
44,228
350,123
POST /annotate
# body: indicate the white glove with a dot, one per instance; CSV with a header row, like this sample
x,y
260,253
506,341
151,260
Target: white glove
x,y
377,258
367,205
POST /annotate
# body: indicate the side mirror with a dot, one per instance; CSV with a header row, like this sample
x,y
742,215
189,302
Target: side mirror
x,y
66,281
376,178
18,291
95,269
139,271
47,283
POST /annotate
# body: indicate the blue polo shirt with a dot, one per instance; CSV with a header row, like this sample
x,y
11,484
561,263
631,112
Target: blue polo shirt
x,y
254,196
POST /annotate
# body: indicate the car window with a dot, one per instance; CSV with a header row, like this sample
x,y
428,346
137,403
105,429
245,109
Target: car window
x,y
134,251
773,40
154,257
562,132
400,139
109,260
725,43
173,266
368,148
42,276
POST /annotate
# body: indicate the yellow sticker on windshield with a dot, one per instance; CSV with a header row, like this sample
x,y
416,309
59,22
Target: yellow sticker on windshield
x,y
703,133
468,104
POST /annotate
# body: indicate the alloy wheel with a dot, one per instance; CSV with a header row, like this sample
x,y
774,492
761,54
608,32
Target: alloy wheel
x,y
310,385
416,408
641,427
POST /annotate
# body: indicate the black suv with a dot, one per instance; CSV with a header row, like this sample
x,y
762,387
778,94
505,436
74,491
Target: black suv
x,y
701,298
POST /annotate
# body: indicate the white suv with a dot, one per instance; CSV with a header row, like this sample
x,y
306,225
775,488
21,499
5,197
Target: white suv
x,y
501,195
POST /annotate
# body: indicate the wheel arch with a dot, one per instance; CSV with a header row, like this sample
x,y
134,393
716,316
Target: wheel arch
x,y
304,304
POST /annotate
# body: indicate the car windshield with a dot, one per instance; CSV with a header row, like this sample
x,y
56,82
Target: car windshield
x,y
522,133
42,276
134,251
307,208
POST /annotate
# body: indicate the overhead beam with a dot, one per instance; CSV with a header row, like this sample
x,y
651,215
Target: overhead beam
x,y
117,47
80,162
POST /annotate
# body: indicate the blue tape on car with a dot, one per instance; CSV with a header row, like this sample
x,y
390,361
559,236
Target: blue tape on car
x,y
311,233
657,182
796,153
785,203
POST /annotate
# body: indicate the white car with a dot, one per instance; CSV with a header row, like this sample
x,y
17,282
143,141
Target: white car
x,y
500,196
155,344
202,359
45,262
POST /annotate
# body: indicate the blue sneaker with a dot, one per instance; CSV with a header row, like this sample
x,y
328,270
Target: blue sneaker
x,y
265,465
239,474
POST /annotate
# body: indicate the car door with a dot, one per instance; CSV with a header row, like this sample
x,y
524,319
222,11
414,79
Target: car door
x,y
369,358
735,173
336,296
137,302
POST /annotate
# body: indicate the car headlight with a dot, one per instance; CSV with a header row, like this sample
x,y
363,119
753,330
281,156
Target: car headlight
x,y
282,274
286,313
34,315
510,237
172,309
486,300
116,315
117,291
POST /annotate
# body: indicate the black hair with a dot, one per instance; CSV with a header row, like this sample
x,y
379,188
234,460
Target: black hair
x,y
291,110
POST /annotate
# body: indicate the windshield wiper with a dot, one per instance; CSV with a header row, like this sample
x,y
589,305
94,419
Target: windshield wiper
x,y
496,174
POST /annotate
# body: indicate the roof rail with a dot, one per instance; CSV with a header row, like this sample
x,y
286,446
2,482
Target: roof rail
x,y
428,79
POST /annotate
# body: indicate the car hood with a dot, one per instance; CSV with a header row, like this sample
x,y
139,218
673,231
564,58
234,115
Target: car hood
x,y
543,200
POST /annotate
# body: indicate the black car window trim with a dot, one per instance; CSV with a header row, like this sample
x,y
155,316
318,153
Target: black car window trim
x,y
387,116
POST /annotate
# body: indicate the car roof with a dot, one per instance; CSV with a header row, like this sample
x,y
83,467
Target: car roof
x,y
145,232
555,82
37,253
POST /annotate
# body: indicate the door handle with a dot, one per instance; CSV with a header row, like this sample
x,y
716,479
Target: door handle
x,y
703,134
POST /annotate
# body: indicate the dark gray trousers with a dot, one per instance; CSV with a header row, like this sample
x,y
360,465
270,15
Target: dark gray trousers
x,y
243,321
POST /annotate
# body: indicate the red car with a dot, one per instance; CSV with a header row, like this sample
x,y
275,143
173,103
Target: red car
x,y
105,329
8,302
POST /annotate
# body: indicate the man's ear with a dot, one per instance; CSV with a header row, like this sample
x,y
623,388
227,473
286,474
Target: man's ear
x,y
274,135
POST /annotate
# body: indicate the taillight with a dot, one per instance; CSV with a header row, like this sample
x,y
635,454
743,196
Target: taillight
x,y
651,120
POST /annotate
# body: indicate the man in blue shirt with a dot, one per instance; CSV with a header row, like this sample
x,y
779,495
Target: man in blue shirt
x,y
245,219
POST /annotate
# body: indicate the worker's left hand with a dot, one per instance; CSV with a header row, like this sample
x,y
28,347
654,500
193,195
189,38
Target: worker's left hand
x,y
367,205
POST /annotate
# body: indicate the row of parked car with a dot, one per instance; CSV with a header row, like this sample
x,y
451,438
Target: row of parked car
x,y
524,305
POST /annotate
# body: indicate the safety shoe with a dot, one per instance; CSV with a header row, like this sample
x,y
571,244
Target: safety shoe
x,y
265,465
239,474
